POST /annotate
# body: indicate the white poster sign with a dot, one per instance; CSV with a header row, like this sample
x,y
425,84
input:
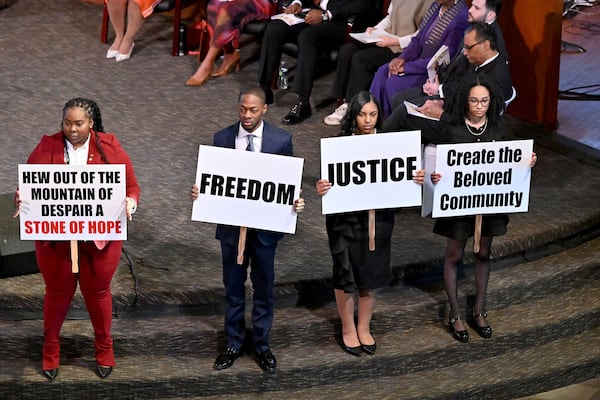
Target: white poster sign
x,y
72,202
244,188
371,171
482,178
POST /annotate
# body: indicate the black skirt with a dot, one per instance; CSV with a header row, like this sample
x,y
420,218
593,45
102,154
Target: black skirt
x,y
462,228
355,267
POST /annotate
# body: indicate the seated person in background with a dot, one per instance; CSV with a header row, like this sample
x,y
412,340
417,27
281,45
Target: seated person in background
x,y
225,22
481,59
487,11
357,62
444,24
126,18
480,11
324,28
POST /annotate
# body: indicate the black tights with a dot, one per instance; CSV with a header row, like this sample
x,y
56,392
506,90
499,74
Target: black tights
x,y
454,255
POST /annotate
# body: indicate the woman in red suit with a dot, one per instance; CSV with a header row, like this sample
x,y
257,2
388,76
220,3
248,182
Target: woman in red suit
x,y
79,143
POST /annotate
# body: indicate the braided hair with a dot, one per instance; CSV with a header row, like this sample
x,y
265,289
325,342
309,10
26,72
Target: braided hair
x,y
92,111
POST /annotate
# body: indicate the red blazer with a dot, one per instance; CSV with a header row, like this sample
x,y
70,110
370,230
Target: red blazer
x,y
51,150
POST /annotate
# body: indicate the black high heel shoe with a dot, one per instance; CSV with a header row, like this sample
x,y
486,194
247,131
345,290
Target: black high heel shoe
x,y
51,374
103,372
483,331
461,336
370,349
355,351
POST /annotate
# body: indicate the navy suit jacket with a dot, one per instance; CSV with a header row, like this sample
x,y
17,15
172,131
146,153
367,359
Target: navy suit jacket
x,y
274,141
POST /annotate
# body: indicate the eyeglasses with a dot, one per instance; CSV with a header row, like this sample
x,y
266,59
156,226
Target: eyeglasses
x,y
474,101
467,48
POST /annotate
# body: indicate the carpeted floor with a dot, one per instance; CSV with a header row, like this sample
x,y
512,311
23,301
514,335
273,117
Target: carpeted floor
x,y
51,52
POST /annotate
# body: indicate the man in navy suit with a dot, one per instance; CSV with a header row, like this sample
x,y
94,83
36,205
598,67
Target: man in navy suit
x,y
260,245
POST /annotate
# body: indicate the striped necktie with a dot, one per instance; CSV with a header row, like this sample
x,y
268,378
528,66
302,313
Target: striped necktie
x,y
250,146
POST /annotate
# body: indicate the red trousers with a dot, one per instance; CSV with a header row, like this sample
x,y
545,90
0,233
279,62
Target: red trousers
x,y
96,269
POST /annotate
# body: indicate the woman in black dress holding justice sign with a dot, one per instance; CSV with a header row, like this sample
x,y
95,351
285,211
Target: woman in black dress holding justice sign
x,y
360,243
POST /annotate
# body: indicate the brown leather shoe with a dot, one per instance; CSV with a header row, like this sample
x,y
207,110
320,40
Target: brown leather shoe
x,y
198,81
230,61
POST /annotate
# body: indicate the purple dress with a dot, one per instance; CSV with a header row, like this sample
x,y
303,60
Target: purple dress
x,y
435,30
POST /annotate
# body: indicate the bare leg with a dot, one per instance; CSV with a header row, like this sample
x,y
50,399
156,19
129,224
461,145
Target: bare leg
x,y
482,274
117,11
345,304
366,304
206,68
134,24
454,255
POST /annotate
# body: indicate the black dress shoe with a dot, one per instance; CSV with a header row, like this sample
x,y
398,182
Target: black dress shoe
x,y
226,359
483,331
461,336
267,361
298,113
103,372
51,374
370,349
355,351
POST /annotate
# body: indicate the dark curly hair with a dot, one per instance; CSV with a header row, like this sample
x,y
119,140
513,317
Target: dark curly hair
x,y
354,107
92,111
458,108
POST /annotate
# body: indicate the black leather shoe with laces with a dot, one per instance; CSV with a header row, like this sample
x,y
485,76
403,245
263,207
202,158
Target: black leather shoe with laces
x,y
227,358
267,361
298,113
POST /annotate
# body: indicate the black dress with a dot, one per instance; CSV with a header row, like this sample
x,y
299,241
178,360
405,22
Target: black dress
x,y
354,266
461,228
